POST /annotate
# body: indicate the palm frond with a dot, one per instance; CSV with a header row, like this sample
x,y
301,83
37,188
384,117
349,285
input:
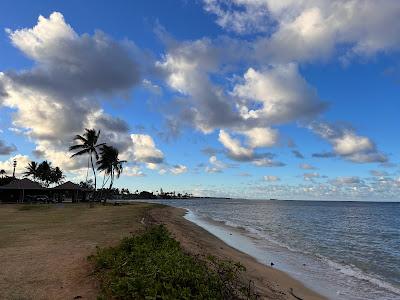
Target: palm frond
x,y
80,152
100,145
78,137
74,147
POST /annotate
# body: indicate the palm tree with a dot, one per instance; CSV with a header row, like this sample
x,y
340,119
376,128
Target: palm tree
x,y
2,173
109,163
88,145
44,171
32,170
56,175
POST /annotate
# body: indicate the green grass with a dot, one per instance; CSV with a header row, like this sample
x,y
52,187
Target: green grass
x,y
153,265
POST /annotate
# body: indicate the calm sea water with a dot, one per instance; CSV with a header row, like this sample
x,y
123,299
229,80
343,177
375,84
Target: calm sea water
x,y
344,250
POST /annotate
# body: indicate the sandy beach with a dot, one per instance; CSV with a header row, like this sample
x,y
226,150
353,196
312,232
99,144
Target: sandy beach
x,y
269,282
44,251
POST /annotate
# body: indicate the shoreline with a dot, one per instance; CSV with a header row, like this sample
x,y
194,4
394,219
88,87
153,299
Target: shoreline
x,y
271,283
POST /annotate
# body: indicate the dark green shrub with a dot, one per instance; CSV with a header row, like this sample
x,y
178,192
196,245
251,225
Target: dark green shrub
x,y
153,266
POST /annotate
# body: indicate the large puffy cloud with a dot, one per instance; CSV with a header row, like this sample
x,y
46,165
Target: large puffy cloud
x,y
144,149
186,67
277,95
249,106
261,137
234,147
236,151
273,95
348,144
73,65
308,30
58,97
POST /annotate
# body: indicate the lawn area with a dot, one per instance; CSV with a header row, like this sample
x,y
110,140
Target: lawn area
x,y
44,248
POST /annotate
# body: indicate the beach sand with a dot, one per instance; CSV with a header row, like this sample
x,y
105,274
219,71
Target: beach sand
x,y
270,283
44,251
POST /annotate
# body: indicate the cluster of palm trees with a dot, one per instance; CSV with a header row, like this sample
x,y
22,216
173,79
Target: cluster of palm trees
x,y
100,154
44,173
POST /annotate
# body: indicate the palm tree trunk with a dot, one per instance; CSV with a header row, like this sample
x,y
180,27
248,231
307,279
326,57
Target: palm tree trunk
x,y
94,172
112,179
111,184
102,186
95,181
87,170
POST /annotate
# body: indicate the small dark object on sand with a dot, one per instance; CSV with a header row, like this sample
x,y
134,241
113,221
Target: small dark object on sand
x,y
272,264
292,293
230,234
78,297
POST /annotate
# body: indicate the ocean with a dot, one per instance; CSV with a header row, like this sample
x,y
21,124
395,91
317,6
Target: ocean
x,y
343,250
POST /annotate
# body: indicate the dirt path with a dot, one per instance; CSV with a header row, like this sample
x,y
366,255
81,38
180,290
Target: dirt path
x,y
44,249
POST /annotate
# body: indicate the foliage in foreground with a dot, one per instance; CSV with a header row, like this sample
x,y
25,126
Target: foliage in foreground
x,y
153,266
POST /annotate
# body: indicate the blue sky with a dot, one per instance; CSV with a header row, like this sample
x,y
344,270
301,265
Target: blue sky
x,y
255,99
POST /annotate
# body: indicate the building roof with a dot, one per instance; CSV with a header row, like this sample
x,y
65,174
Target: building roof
x,y
68,186
22,184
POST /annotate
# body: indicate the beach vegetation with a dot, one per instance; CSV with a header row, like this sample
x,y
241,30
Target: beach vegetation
x,y
152,265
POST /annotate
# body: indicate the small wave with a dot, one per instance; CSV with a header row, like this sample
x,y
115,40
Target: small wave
x,y
250,232
359,274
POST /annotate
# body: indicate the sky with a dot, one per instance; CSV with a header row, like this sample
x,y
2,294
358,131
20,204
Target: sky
x,y
287,99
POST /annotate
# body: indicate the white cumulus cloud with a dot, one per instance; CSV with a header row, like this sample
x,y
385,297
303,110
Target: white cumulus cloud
x,y
144,149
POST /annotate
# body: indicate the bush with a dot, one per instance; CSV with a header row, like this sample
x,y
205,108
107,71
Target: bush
x,y
153,266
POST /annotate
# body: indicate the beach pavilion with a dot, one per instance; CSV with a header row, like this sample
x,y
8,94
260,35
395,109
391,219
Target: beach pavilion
x,y
70,190
17,189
